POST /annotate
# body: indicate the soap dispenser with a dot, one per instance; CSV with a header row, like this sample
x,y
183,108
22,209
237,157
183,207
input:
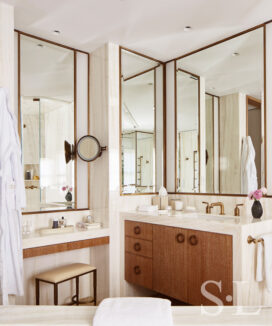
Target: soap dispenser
x,y
62,222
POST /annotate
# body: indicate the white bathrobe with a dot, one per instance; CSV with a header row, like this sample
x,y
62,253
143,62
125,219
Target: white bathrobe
x,y
249,180
12,199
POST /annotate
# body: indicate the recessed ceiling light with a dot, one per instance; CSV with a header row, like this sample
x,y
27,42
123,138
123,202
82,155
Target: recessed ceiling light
x,y
235,54
56,32
187,28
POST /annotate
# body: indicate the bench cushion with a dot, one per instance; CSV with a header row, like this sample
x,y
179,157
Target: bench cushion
x,y
63,273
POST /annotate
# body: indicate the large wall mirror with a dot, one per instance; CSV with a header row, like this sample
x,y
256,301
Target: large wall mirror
x,y
220,115
141,112
48,118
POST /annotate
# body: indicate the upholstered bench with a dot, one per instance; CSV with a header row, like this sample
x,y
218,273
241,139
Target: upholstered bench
x,y
63,274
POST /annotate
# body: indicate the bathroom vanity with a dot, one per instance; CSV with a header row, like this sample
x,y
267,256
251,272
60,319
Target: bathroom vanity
x,y
176,254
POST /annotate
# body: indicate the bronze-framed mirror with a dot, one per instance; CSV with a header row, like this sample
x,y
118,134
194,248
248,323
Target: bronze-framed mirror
x,y
88,149
220,115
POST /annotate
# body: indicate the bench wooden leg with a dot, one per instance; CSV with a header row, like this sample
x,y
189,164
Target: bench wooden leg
x,y
55,294
37,292
77,290
94,286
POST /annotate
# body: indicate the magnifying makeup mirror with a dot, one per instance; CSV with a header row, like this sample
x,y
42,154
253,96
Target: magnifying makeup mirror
x,y
88,149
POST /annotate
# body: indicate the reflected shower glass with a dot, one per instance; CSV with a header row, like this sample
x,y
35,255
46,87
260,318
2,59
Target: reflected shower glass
x,y
142,117
47,120
187,132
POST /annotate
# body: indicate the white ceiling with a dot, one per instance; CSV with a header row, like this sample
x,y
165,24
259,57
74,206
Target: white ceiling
x,y
153,27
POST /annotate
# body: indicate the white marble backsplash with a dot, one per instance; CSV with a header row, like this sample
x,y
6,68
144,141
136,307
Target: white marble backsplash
x,y
229,203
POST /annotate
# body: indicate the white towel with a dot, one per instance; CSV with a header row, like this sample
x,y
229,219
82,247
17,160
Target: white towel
x,y
133,312
260,261
249,180
264,262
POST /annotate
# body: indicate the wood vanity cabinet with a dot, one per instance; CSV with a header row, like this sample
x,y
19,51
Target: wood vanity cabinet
x,y
169,262
176,262
139,253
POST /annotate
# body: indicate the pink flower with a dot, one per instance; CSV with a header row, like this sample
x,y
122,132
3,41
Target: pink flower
x,y
250,195
64,188
258,194
71,188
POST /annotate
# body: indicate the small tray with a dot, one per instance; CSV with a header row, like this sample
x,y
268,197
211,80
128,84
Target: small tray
x,y
67,229
94,225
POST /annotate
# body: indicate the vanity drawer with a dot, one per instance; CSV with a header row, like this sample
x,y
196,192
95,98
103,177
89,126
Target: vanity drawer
x,y
138,230
138,270
139,247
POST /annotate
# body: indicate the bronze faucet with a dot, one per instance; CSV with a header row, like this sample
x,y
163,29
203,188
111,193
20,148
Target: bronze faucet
x,y
221,205
208,207
237,210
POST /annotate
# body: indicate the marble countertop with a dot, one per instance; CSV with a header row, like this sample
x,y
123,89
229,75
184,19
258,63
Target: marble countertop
x,y
36,240
197,221
63,315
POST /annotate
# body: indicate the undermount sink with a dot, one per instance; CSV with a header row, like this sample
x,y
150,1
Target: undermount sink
x,y
219,217
216,217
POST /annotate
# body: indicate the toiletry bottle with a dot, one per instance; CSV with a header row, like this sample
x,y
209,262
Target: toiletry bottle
x,y
62,222
55,223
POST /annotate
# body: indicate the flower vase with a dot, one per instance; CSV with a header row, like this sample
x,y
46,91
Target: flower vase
x,y
257,209
69,196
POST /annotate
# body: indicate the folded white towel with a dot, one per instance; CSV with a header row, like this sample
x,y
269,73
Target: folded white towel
x,y
260,261
264,262
133,312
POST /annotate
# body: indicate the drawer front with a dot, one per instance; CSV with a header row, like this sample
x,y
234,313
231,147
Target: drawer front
x,y
138,270
139,247
138,230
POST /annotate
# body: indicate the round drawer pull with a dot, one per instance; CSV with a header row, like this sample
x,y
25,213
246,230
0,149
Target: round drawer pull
x,y
193,240
137,230
180,238
137,270
137,246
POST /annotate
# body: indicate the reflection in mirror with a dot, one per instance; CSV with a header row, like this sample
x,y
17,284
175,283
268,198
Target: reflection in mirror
x,y
220,117
47,120
187,132
142,124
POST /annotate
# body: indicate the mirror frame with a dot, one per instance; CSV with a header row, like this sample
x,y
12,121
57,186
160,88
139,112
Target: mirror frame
x,y
20,33
265,127
164,118
99,152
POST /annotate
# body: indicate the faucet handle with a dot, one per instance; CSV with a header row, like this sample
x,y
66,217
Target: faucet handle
x,y
237,209
208,208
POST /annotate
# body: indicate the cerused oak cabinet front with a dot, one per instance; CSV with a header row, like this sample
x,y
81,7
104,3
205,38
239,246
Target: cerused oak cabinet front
x,y
176,262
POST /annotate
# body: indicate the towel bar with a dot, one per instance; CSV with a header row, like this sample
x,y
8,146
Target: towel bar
x,y
250,239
